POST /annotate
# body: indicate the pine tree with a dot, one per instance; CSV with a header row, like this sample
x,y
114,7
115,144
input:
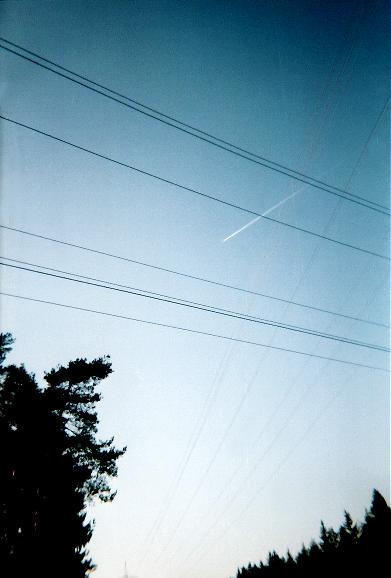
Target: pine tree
x,y
51,464
375,536
348,546
352,551
290,564
276,565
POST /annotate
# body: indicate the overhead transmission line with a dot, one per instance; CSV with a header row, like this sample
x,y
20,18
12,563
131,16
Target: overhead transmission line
x,y
248,388
194,277
218,450
261,488
250,159
266,451
264,428
197,432
84,280
191,130
196,331
199,193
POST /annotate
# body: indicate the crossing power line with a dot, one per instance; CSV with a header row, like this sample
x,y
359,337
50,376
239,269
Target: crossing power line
x,y
231,151
261,488
189,129
193,277
265,426
199,193
102,284
259,460
194,331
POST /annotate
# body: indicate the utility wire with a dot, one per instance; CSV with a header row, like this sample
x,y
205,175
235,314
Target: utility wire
x,y
250,159
247,391
256,465
194,191
232,499
211,399
195,331
194,277
202,420
312,424
238,409
195,305
193,131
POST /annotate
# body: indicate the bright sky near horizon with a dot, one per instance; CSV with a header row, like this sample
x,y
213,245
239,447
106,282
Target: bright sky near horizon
x,y
233,449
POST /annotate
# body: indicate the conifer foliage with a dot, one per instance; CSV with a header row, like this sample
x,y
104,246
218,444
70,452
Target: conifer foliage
x,y
51,466
355,550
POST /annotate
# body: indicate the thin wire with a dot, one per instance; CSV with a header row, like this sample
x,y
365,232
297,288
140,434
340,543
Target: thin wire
x,y
214,390
228,429
259,461
289,169
287,393
202,307
251,472
238,151
188,276
296,445
238,409
211,398
166,545
196,331
195,192
274,472
202,420
210,463
368,140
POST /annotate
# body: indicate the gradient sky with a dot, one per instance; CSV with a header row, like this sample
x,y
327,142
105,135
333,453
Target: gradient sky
x,y
279,441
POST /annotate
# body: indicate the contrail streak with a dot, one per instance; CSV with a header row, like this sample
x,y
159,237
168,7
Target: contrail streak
x,y
241,229
282,202
263,214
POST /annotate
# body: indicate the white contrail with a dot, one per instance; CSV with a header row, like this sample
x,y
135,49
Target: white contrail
x,y
283,201
241,229
264,214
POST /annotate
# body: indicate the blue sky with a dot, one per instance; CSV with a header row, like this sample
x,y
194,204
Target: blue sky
x,y
284,440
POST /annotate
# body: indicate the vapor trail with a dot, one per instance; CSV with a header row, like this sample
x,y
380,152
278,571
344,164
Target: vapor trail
x,y
264,214
241,229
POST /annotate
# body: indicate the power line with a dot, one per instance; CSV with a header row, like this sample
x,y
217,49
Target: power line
x,y
202,420
255,466
211,398
220,445
251,472
195,305
262,456
287,421
248,159
189,276
274,472
238,409
195,132
195,331
199,193
258,462
368,140
214,457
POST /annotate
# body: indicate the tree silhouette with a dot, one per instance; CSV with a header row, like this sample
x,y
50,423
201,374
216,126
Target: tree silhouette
x,y
51,465
375,536
348,541
355,550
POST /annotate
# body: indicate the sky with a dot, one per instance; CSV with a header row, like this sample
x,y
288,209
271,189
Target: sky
x,y
234,449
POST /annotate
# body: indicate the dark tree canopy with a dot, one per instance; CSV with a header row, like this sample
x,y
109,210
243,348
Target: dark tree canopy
x,y
51,465
355,550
